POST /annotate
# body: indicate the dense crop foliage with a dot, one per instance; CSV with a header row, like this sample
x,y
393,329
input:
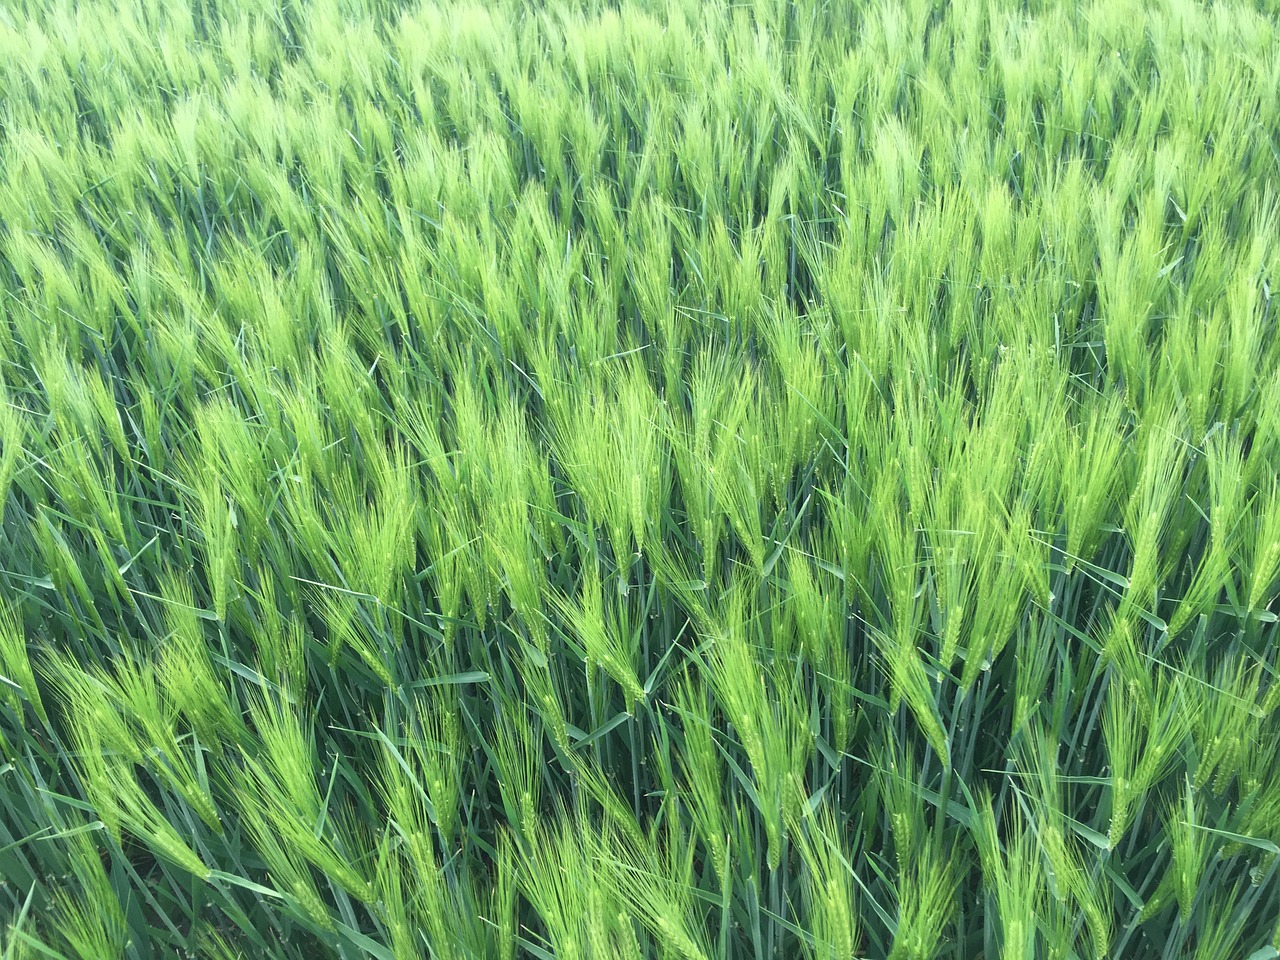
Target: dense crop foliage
x,y
668,479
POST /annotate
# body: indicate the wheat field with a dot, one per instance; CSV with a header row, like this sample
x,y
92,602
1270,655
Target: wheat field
x,y
567,480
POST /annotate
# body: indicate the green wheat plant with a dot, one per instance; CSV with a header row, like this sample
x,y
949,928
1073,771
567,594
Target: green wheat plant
x,y
643,479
